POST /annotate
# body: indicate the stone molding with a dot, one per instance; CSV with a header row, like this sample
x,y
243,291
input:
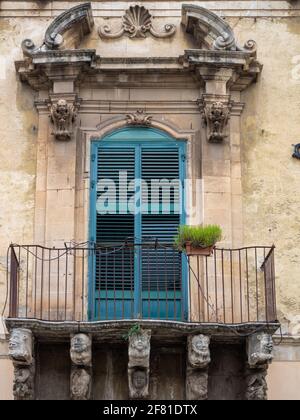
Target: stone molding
x,y
136,23
80,17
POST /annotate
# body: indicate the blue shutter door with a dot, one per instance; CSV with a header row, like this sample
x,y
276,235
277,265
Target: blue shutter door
x,y
144,281
114,264
161,267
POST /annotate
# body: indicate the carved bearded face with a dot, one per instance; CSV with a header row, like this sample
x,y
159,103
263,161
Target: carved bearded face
x,y
199,353
81,350
20,346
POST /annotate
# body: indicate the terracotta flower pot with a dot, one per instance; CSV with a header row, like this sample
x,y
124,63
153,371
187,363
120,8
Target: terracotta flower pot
x,y
205,252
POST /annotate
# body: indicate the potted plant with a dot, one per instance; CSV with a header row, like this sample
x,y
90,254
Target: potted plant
x,y
198,240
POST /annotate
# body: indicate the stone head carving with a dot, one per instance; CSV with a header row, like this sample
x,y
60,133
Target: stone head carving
x,y
20,346
198,351
215,117
80,384
257,387
139,349
23,388
197,385
138,383
63,116
81,350
260,349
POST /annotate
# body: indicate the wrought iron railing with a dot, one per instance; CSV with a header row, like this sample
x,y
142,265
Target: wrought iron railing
x,y
141,281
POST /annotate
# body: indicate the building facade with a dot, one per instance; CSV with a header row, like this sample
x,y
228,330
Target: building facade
x,y
101,98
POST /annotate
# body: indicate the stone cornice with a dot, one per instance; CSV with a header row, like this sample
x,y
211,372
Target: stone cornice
x,y
52,62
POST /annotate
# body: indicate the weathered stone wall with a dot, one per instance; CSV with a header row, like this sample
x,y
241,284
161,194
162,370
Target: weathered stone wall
x,y
270,123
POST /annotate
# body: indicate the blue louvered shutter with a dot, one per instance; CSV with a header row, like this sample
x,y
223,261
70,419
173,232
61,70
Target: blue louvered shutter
x,y
161,267
114,264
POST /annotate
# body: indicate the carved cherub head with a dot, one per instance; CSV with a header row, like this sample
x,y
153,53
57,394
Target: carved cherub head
x,y
81,350
198,351
20,346
62,108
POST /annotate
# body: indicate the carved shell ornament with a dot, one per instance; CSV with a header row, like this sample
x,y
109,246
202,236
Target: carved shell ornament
x,y
137,22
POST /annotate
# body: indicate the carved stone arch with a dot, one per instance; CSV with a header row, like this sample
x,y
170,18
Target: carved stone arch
x,y
79,19
210,31
116,123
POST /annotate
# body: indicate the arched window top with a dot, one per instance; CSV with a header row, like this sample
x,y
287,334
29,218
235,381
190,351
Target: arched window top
x,y
140,134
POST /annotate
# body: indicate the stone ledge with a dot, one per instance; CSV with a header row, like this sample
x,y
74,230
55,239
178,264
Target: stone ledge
x,y
114,331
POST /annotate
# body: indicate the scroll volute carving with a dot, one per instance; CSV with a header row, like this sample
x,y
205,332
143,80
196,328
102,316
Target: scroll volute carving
x,y
63,116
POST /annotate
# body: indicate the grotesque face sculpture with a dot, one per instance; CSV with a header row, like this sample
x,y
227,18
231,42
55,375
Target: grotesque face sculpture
x,y
80,384
139,379
138,383
198,351
197,385
260,348
139,349
20,346
24,383
266,344
257,387
81,350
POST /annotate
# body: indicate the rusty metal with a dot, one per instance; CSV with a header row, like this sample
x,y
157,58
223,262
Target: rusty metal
x,y
234,286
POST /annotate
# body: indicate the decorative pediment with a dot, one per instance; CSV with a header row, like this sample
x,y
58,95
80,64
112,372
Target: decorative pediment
x,y
210,31
78,20
217,49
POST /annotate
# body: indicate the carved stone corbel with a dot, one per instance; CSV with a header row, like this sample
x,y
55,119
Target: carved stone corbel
x,y
259,350
21,349
256,385
81,371
260,355
63,116
81,350
24,379
139,364
198,360
215,112
81,383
